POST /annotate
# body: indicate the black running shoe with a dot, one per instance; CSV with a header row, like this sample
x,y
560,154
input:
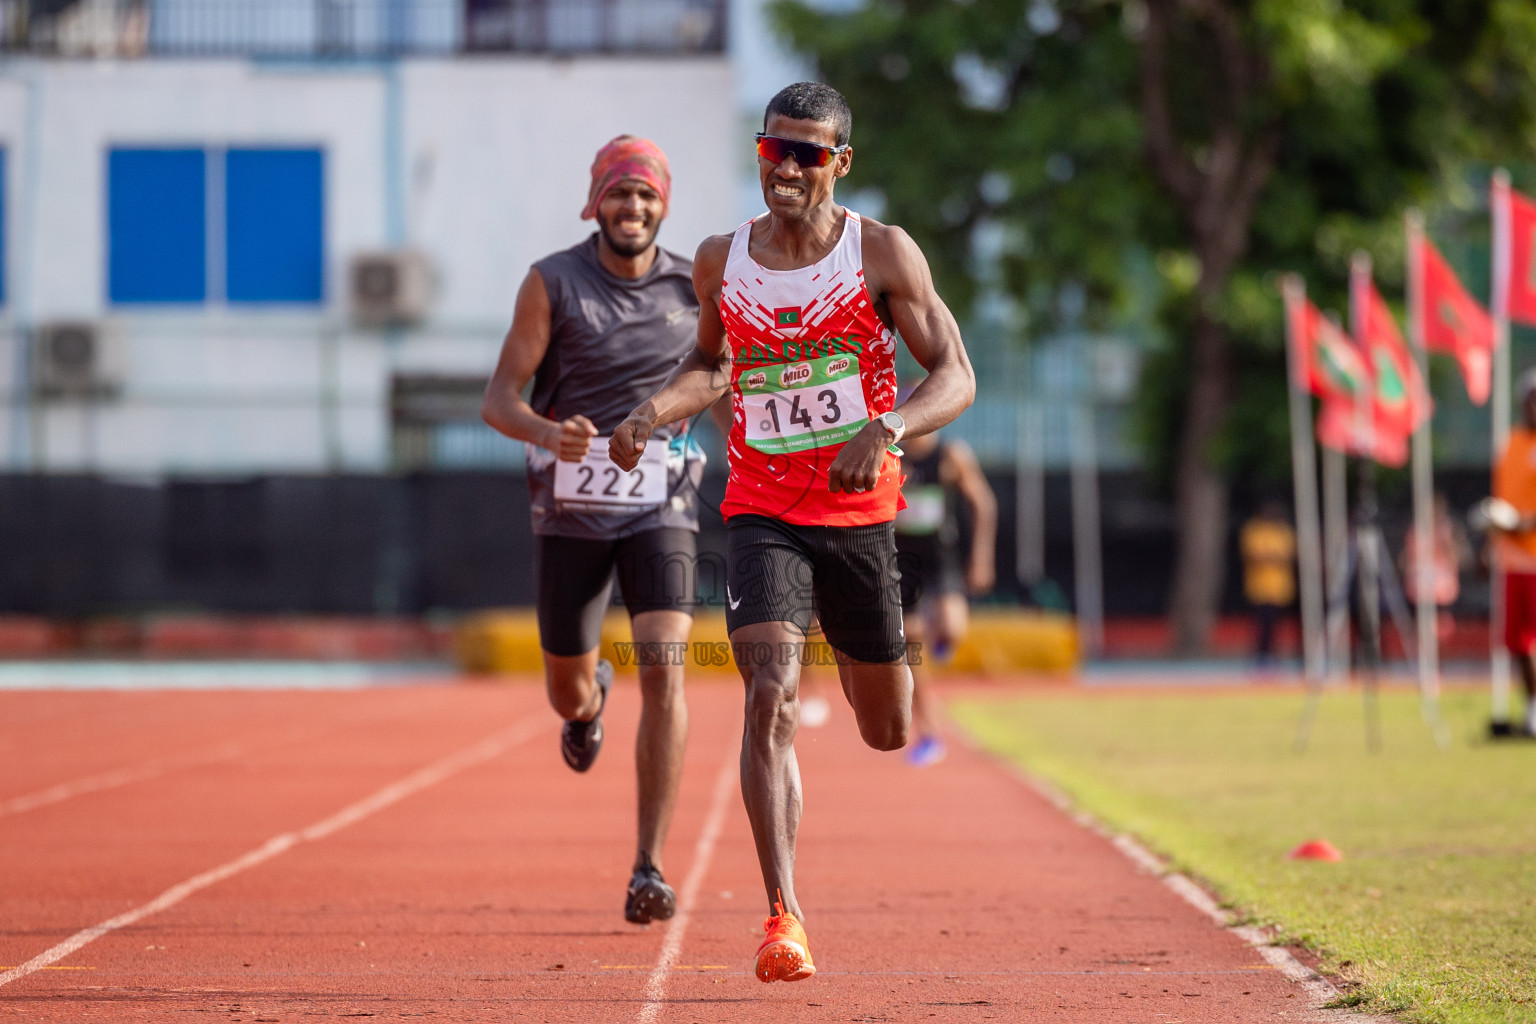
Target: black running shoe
x,y
650,898
580,741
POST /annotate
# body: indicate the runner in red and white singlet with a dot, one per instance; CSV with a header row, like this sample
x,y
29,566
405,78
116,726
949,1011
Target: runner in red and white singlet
x,y
811,364
799,311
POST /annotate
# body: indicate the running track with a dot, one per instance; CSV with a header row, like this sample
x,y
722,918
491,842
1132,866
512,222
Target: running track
x,y
421,853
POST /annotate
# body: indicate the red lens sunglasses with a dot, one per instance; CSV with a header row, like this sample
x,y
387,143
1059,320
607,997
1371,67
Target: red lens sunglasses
x,y
806,154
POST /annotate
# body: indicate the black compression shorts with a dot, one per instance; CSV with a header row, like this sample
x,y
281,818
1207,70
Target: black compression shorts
x,y
845,575
575,574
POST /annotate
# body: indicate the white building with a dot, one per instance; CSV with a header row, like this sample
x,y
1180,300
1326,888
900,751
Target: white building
x,y
198,216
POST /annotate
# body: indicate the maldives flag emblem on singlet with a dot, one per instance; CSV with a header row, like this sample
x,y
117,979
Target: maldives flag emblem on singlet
x,y
811,365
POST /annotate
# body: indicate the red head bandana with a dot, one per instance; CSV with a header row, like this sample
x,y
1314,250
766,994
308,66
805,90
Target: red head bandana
x,y
628,156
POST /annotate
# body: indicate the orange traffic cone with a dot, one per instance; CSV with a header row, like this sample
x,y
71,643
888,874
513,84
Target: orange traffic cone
x,y
1315,849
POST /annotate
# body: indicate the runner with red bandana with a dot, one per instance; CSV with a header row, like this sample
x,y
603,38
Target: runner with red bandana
x,y
799,314
596,328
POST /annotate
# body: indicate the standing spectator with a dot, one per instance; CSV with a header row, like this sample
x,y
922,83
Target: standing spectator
x,y
1269,578
1450,552
1514,481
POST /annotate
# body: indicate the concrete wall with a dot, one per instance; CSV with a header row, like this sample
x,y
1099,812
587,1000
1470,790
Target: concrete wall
x,y
481,162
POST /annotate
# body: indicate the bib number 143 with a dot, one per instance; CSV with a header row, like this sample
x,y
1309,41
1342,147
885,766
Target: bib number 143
x,y
797,419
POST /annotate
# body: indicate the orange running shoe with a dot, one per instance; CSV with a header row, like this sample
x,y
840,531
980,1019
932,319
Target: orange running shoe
x,y
785,954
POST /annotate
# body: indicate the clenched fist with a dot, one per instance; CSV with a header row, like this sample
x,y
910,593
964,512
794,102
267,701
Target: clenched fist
x,y
629,439
571,438
857,466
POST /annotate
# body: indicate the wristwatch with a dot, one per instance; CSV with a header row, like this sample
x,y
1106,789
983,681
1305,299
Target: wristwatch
x,y
893,422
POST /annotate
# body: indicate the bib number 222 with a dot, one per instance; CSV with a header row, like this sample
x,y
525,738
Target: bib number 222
x,y
595,480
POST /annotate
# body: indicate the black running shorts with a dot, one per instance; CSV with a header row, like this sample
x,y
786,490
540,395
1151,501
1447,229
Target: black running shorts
x,y
845,575
575,578
930,568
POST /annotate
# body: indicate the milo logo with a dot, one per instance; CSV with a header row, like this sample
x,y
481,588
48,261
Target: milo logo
x,y
838,366
755,380
796,374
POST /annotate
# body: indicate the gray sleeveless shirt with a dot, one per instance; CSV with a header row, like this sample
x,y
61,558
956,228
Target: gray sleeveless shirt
x,y
612,342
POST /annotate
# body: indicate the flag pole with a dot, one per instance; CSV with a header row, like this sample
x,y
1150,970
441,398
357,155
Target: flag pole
x,y
1498,656
1423,489
1087,536
1368,545
1336,512
1365,397
1304,479
1336,561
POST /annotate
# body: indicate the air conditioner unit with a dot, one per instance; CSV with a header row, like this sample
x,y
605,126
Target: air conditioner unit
x,y
391,289
77,358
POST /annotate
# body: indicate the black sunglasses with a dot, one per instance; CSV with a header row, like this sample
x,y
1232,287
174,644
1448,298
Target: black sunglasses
x,y
806,154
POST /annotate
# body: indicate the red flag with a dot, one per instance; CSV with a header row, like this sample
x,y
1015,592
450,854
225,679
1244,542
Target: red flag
x,y
1453,321
1344,425
1514,232
1328,363
1400,400
1339,426
1391,449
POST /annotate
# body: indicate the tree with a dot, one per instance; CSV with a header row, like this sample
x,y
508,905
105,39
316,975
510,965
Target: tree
x,y
1228,139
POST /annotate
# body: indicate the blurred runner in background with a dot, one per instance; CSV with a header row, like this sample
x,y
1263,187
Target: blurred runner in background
x,y
934,583
1269,577
800,312
597,328
1514,480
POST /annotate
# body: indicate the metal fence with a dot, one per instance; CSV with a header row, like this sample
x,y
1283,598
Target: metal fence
x,y
299,29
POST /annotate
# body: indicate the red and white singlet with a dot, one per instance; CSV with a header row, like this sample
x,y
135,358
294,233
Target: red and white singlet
x,y
811,364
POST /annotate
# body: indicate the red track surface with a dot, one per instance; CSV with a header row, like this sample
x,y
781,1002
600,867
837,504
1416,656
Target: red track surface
x,y
952,893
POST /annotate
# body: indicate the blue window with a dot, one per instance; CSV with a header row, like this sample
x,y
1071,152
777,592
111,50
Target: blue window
x,y
273,225
157,225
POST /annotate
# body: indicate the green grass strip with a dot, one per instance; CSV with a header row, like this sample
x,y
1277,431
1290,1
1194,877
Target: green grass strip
x,y
1431,914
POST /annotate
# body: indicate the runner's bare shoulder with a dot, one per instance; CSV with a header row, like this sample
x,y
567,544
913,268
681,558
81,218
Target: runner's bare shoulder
x,y
709,264
892,261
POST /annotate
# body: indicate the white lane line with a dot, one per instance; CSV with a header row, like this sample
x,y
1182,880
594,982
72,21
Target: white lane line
x,y
116,777
106,780
1319,989
432,774
703,853
156,767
